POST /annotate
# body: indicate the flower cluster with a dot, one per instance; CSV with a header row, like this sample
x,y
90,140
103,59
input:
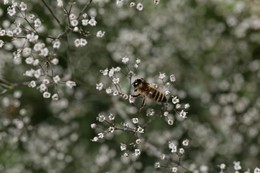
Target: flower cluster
x,y
132,121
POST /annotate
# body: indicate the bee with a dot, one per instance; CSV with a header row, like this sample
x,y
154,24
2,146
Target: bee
x,y
146,90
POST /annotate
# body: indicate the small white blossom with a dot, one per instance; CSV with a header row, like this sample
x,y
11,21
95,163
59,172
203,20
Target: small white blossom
x,y
100,135
111,117
54,61
135,120
56,44
137,152
139,6
59,3
84,22
35,62
122,147
95,139
72,16
37,23
156,2
140,130
157,165
43,87
29,73
183,114
55,97
237,165
29,60
115,80
92,22
74,22
23,6
172,78
175,100
46,94
257,170
174,169
32,84
109,91
37,73
162,76
32,37
93,125
185,142
125,60
131,99
132,4
56,79
181,150
99,86
115,93
223,166
170,121
70,84
11,11
46,81
101,117
100,34
137,61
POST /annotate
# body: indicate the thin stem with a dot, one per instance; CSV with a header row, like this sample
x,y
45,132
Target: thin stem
x,y
52,13
85,7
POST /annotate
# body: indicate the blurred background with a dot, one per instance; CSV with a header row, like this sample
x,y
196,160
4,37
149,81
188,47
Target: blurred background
x,y
211,46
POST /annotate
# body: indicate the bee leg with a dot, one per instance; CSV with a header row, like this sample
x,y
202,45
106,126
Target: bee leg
x,y
142,105
136,95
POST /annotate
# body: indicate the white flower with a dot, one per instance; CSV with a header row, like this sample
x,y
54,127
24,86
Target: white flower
x,y
46,81
156,2
11,11
100,34
132,4
29,60
183,114
59,3
23,6
43,87
72,16
174,169
93,125
55,61
109,91
56,44
257,170
237,165
135,120
125,60
122,147
32,84
74,22
115,80
29,73
37,23
92,22
56,79
137,152
172,78
223,166
101,135
139,6
99,86
185,142
162,76
36,62
140,130
70,84
175,100
101,117
46,94
111,117
84,22
37,73
55,97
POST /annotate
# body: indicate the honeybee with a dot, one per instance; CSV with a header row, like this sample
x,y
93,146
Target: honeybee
x,y
146,90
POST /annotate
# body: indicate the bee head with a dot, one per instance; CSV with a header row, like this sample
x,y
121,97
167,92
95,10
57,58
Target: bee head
x,y
138,83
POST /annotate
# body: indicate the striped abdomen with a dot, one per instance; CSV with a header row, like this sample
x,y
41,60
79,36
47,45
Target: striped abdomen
x,y
156,95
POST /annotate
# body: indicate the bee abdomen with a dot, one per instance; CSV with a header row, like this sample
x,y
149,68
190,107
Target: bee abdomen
x,y
159,97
